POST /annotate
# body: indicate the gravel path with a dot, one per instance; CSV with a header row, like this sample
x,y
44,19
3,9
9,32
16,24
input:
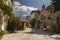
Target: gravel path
x,y
31,34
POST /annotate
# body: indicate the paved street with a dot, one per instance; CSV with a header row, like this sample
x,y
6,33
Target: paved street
x,y
31,34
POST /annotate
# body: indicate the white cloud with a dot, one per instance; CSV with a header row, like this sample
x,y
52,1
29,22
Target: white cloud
x,y
22,10
24,15
16,3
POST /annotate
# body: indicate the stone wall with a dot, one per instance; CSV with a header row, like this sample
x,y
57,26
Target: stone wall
x,y
48,20
8,2
3,21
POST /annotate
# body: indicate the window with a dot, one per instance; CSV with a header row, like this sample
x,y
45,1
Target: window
x,y
41,15
49,17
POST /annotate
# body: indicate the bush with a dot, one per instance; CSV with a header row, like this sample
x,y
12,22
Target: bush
x,y
12,24
3,32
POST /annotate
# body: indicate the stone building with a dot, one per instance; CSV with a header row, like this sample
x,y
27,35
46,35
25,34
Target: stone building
x,y
3,21
28,18
46,18
8,2
57,16
35,15
4,18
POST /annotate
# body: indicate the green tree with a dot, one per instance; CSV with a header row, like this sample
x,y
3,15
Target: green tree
x,y
32,22
7,10
12,24
51,8
56,3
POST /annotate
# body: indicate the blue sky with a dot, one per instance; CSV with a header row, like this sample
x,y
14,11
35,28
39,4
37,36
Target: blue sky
x,y
35,3
28,5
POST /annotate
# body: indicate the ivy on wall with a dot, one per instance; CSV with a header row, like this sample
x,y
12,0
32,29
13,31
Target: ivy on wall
x,y
5,8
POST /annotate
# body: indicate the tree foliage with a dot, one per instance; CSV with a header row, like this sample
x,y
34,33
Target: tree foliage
x,y
12,24
56,3
51,8
32,22
5,8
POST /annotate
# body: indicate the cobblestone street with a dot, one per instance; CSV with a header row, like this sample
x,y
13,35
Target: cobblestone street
x,y
31,34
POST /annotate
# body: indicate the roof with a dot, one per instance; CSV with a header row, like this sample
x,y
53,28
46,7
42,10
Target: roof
x,y
38,11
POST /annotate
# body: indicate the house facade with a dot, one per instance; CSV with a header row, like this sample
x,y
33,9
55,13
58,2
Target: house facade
x,y
35,15
46,19
57,15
